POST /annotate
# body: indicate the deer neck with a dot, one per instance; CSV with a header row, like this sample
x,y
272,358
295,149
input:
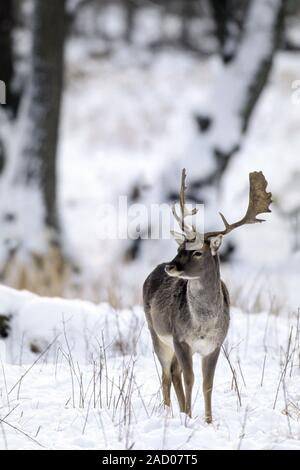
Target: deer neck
x,y
204,294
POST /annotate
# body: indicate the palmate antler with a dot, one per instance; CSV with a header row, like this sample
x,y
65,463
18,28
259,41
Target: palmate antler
x,y
259,202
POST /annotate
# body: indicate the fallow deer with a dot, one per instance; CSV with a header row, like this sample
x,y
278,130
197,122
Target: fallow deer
x,y
187,304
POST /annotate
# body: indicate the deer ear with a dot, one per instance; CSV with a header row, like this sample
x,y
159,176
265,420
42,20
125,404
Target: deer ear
x,y
215,243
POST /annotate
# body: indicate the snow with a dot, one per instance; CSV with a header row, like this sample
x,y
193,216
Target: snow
x,y
92,382
73,396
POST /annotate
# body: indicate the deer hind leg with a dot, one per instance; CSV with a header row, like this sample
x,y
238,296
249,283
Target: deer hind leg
x,y
208,370
165,355
177,382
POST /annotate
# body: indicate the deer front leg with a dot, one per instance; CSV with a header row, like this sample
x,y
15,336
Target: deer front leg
x,y
184,355
166,386
177,382
208,371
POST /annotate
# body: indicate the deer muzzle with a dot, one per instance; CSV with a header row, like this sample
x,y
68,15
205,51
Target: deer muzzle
x,y
173,269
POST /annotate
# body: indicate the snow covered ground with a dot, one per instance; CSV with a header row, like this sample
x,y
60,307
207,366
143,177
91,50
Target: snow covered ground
x,y
75,375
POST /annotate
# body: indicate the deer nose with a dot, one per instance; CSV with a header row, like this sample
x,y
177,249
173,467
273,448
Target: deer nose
x,y
171,268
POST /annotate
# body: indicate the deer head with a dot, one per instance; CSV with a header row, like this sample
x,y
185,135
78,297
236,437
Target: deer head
x,y
194,249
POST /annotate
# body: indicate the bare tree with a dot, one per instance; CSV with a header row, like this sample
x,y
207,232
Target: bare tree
x,y
247,58
43,110
6,52
6,70
229,18
130,8
240,85
34,258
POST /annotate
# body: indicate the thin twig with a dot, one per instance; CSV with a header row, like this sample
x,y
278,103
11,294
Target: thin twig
x,y
282,376
233,375
243,429
32,365
22,432
263,371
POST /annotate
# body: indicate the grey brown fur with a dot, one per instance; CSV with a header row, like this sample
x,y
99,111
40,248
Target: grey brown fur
x,y
187,316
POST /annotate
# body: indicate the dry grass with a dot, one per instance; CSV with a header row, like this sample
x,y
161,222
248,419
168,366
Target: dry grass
x,y
117,392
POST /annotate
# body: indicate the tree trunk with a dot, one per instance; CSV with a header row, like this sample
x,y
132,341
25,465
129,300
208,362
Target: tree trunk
x,y
186,10
40,145
223,125
228,16
130,12
6,53
6,71
36,261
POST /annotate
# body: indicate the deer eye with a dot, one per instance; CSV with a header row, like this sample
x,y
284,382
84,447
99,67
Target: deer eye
x,y
197,254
